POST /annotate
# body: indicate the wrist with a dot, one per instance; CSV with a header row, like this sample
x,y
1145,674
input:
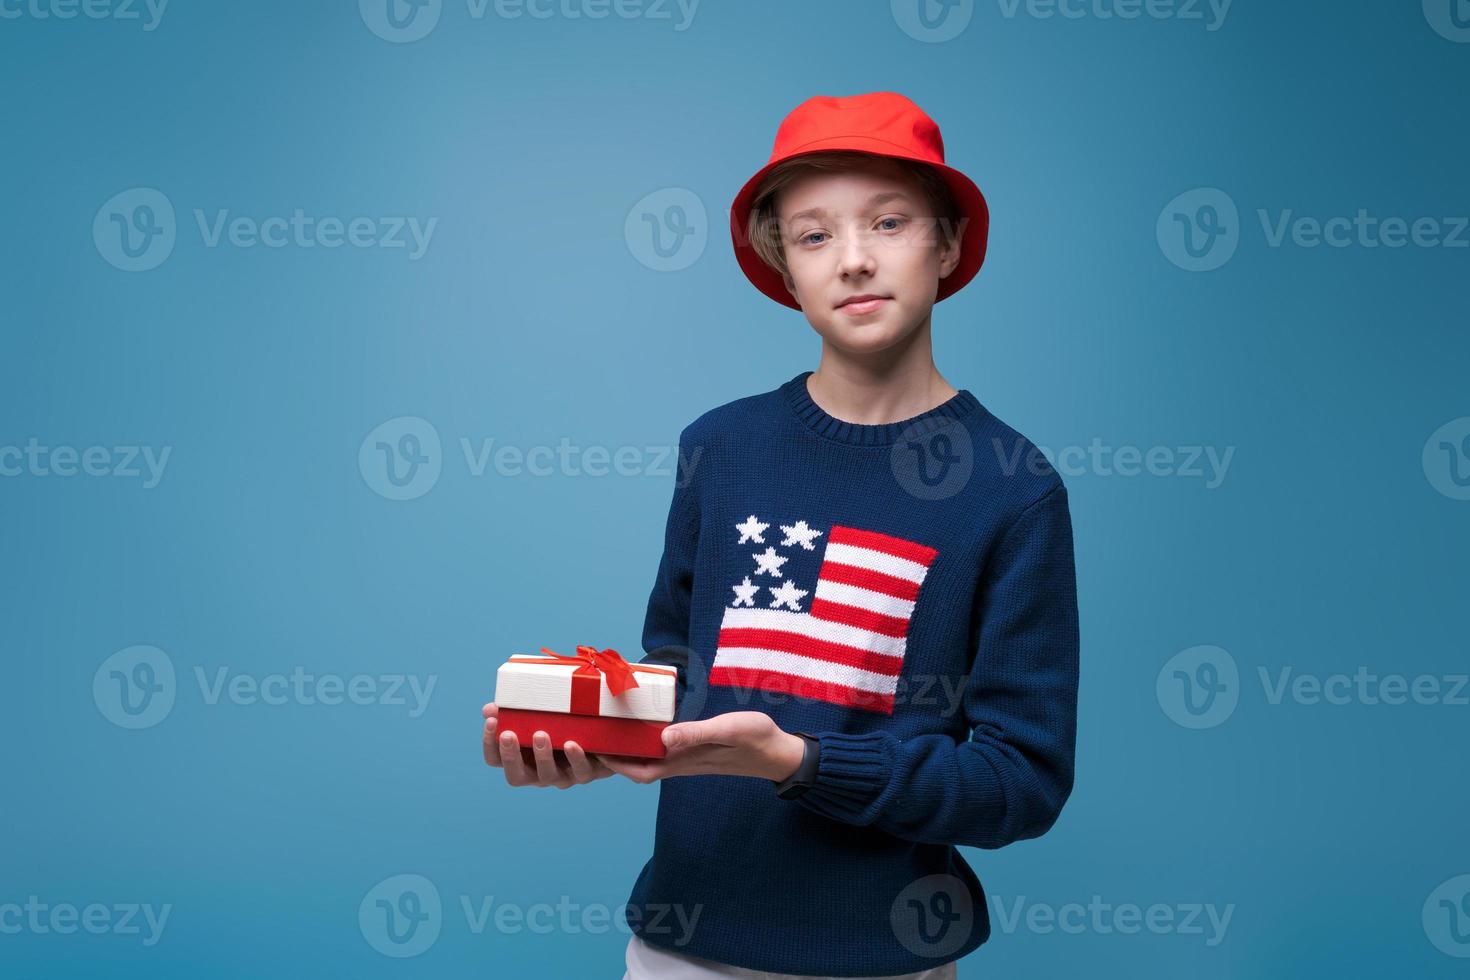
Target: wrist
x,y
786,756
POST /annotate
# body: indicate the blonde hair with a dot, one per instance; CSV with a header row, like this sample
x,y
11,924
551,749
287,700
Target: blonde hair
x,y
763,229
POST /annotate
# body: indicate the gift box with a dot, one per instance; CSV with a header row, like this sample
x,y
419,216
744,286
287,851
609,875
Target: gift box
x,y
596,699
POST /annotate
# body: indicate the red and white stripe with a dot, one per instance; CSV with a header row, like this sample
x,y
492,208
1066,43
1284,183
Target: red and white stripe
x,y
849,647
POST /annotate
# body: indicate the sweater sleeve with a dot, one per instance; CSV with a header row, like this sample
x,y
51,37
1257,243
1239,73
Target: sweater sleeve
x,y
666,622
1009,779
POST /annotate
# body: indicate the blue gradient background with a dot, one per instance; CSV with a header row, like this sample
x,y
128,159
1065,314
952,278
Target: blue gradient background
x,y
530,319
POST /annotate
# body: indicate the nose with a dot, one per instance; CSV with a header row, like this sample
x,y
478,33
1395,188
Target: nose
x,y
855,256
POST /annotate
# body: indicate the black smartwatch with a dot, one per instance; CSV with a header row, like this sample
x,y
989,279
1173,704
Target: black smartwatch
x,y
806,773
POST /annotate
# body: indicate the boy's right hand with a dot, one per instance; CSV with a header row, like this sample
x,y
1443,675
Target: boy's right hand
x,y
537,766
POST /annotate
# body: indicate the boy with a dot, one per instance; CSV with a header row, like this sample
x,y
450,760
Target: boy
x,y
868,607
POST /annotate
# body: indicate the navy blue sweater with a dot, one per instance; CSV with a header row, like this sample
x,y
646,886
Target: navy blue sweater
x,y
906,592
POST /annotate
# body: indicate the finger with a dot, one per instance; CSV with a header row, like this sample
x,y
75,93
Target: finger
x,y
492,751
688,734
731,728
585,768
547,771
638,771
510,760
490,710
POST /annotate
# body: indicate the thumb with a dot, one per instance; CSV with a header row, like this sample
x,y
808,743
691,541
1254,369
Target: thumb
x,y
682,734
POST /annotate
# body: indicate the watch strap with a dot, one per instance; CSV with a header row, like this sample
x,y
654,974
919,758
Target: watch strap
x,y
806,772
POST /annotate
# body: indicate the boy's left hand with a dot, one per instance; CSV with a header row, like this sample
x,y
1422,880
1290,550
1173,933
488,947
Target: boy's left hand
x,y
737,743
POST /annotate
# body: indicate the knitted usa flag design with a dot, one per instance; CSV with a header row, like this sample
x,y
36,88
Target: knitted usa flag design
x,y
843,638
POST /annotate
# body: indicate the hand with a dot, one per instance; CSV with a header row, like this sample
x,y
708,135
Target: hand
x,y
737,743
540,765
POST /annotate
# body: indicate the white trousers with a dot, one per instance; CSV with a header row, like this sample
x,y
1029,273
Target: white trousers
x,y
649,962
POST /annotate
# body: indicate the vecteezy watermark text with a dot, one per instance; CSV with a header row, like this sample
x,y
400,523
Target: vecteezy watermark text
x,y
403,915
301,687
1201,687
1208,463
123,462
1098,917
934,21
136,230
1211,13
1201,229
402,459
406,21
149,12
40,918
136,688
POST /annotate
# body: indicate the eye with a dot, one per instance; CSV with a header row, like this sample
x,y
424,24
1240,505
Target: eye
x,y
807,238
898,222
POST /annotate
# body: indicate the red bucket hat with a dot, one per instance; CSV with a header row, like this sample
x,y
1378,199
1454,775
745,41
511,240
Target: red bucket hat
x,y
881,123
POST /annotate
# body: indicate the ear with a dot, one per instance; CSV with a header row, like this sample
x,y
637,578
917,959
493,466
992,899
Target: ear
x,y
949,256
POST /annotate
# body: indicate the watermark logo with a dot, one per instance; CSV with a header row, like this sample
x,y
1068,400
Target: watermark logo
x,y
1199,230
404,21
934,459
135,230
400,21
1199,687
1446,917
933,21
1449,18
667,230
148,12
135,687
401,916
1446,459
933,916
401,459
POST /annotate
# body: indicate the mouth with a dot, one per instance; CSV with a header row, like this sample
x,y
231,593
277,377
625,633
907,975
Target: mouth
x,y
865,303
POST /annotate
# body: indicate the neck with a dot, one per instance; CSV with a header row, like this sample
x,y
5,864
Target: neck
x,y
882,387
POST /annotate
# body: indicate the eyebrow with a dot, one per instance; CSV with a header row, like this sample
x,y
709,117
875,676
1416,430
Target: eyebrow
x,y
874,201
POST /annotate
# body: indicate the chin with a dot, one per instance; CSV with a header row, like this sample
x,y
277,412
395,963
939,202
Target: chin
x,y
862,338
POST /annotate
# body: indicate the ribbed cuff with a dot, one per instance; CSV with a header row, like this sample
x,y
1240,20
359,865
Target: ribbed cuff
x,y
852,771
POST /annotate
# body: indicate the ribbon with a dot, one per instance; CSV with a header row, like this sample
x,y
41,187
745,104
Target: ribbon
x,y
587,679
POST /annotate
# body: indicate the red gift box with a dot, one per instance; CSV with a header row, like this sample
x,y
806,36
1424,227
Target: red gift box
x,y
593,704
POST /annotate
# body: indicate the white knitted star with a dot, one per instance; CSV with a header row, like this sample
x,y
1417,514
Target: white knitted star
x,y
800,533
751,530
769,561
787,595
745,592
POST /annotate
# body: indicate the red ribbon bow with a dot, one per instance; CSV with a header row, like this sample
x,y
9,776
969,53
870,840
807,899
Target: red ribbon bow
x,y
606,663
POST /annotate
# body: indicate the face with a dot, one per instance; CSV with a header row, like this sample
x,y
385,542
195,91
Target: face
x,y
863,232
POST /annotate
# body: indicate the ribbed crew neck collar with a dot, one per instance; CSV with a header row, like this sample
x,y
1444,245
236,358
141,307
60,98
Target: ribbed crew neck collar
x,y
858,434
